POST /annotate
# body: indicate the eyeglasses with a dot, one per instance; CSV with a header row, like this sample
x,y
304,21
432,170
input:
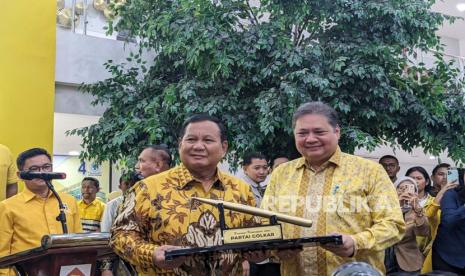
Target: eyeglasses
x,y
44,168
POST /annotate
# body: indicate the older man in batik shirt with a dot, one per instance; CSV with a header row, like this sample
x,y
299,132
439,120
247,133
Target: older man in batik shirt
x,y
157,214
341,193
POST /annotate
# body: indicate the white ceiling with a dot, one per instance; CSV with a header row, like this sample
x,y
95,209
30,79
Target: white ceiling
x,y
456,30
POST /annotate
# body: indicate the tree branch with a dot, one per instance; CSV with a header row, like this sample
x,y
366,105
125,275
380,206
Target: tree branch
x,y
252,16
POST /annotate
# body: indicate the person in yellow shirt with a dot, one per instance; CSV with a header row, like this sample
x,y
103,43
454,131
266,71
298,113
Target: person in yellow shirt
x,y
26,217
90,208
433,209
157,214
341,193
8,179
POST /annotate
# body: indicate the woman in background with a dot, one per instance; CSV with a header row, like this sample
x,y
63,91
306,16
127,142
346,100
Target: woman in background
x,y
426,201
431,206
405,258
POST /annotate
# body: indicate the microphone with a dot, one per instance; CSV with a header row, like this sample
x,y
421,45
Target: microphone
x,y
42,175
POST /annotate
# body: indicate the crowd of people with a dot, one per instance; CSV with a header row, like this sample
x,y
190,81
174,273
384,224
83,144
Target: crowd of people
x,y
433,210
400,225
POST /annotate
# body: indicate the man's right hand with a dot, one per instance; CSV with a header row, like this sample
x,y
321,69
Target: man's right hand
x,y
158,257
444,189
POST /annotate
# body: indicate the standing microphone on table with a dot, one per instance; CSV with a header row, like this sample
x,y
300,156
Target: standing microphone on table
x,y
48,177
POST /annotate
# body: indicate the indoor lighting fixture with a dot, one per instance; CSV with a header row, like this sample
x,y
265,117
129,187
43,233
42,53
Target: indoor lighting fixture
x,y
461,7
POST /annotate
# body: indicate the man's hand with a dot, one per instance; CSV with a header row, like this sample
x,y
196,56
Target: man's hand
x,y
158,257
412,199
444,189
287,254
346,249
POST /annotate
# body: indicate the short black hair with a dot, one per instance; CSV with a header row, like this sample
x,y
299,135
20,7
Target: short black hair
x,y
442,165
93,180
279,156
163,148
202,118
424,173
23,156
317,108
247,160
389,156
129,177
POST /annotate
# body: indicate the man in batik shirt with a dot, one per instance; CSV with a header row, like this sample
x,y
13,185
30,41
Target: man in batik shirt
x,y
157,214
343,194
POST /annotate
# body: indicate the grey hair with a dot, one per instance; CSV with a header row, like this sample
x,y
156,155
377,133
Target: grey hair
x,y
406,179
318,108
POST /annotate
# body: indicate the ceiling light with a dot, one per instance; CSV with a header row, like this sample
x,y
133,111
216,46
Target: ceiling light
x,y
73,153
461,7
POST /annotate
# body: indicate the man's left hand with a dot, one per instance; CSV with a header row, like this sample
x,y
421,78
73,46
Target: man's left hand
x,y
346,249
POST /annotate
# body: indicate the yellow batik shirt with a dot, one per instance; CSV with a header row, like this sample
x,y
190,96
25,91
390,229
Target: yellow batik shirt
x,y
25,218
91,215
158,211
347,195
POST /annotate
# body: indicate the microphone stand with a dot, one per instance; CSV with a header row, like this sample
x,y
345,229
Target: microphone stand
x,y
61,217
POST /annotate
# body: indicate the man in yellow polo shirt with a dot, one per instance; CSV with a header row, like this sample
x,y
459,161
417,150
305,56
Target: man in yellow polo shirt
x,y
26,217
8,179
90,208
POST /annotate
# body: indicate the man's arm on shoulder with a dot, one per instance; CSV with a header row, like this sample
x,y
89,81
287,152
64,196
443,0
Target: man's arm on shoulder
x,y
387,223
131,230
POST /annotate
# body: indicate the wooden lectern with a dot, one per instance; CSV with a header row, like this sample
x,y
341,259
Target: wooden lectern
x,y
67,255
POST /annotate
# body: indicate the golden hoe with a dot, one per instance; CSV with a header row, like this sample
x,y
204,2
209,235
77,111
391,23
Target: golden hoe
x,y
255,211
